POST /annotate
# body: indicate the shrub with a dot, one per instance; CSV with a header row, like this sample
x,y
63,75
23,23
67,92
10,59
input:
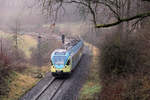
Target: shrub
x,y
4,73
9,62
133,88
119,57
125,71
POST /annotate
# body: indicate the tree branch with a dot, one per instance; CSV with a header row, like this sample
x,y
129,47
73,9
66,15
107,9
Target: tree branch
x,y
88,5
143,15
77,2
111,9
146,0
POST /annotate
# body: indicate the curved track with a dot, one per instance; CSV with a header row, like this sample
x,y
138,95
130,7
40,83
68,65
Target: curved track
x,y
50,88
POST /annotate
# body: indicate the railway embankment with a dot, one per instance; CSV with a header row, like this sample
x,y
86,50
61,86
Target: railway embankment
x,y
17,76
91,88
50,88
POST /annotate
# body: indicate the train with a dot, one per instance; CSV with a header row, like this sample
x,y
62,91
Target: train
x,y
65,60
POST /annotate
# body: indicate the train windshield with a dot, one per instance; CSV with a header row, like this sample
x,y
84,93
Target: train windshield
x,y
59,60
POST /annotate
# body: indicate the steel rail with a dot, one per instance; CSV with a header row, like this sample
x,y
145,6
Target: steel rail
x,y
44,89
51,98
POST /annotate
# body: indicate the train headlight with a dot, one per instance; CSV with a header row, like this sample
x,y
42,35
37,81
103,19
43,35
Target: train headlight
x,y
52,66
66,69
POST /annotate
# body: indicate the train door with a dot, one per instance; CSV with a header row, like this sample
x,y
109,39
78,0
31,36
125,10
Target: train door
x,y
69,63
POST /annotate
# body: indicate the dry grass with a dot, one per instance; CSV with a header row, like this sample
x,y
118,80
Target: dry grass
x,y
5,35
23,76
78,28
25,42
22,82
92,87
20,85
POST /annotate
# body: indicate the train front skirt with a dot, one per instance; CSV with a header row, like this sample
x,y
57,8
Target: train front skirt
x,y
64,71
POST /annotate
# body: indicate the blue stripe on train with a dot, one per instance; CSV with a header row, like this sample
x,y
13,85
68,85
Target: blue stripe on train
x,y
73,50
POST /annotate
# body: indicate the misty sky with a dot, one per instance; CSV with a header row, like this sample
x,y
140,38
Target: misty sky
x,y
23,8
30,15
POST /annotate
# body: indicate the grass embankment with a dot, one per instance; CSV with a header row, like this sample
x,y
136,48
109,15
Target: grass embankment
x,y
92,87
25,42
15,83
21,82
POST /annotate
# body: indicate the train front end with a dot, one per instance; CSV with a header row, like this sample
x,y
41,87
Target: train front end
x,y
61,64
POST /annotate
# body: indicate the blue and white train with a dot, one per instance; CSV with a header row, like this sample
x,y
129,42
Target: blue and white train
x,y
65,60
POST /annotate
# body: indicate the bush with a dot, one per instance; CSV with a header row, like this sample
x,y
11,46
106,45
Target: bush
x,y
119,57
4,73
125,71
9,62
133,88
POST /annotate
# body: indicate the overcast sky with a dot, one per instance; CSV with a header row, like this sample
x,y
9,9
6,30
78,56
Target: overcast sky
x,y
30,15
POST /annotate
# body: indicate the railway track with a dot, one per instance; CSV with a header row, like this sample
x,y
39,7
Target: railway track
x,y
50,88
46,92
49,92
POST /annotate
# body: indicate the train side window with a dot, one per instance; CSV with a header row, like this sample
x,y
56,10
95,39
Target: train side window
x,y
68,63
51,62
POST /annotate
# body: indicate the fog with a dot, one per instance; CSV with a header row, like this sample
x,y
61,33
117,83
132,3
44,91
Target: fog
x,y
30,15
12,10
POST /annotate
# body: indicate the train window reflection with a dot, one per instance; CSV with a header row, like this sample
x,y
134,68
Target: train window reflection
x,y
60,53
59,60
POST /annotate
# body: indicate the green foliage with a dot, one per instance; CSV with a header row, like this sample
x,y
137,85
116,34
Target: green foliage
x,y
90,91
92,87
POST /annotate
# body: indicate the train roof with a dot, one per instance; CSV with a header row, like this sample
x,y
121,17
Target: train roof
x,y
59,52
68,48
71,43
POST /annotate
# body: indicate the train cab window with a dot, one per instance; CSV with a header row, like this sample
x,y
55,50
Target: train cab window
x,y
60,53
68,63
59,60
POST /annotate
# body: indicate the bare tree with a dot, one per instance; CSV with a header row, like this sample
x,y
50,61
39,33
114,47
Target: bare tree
x,y
1,40
39,57
16,28
117,7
